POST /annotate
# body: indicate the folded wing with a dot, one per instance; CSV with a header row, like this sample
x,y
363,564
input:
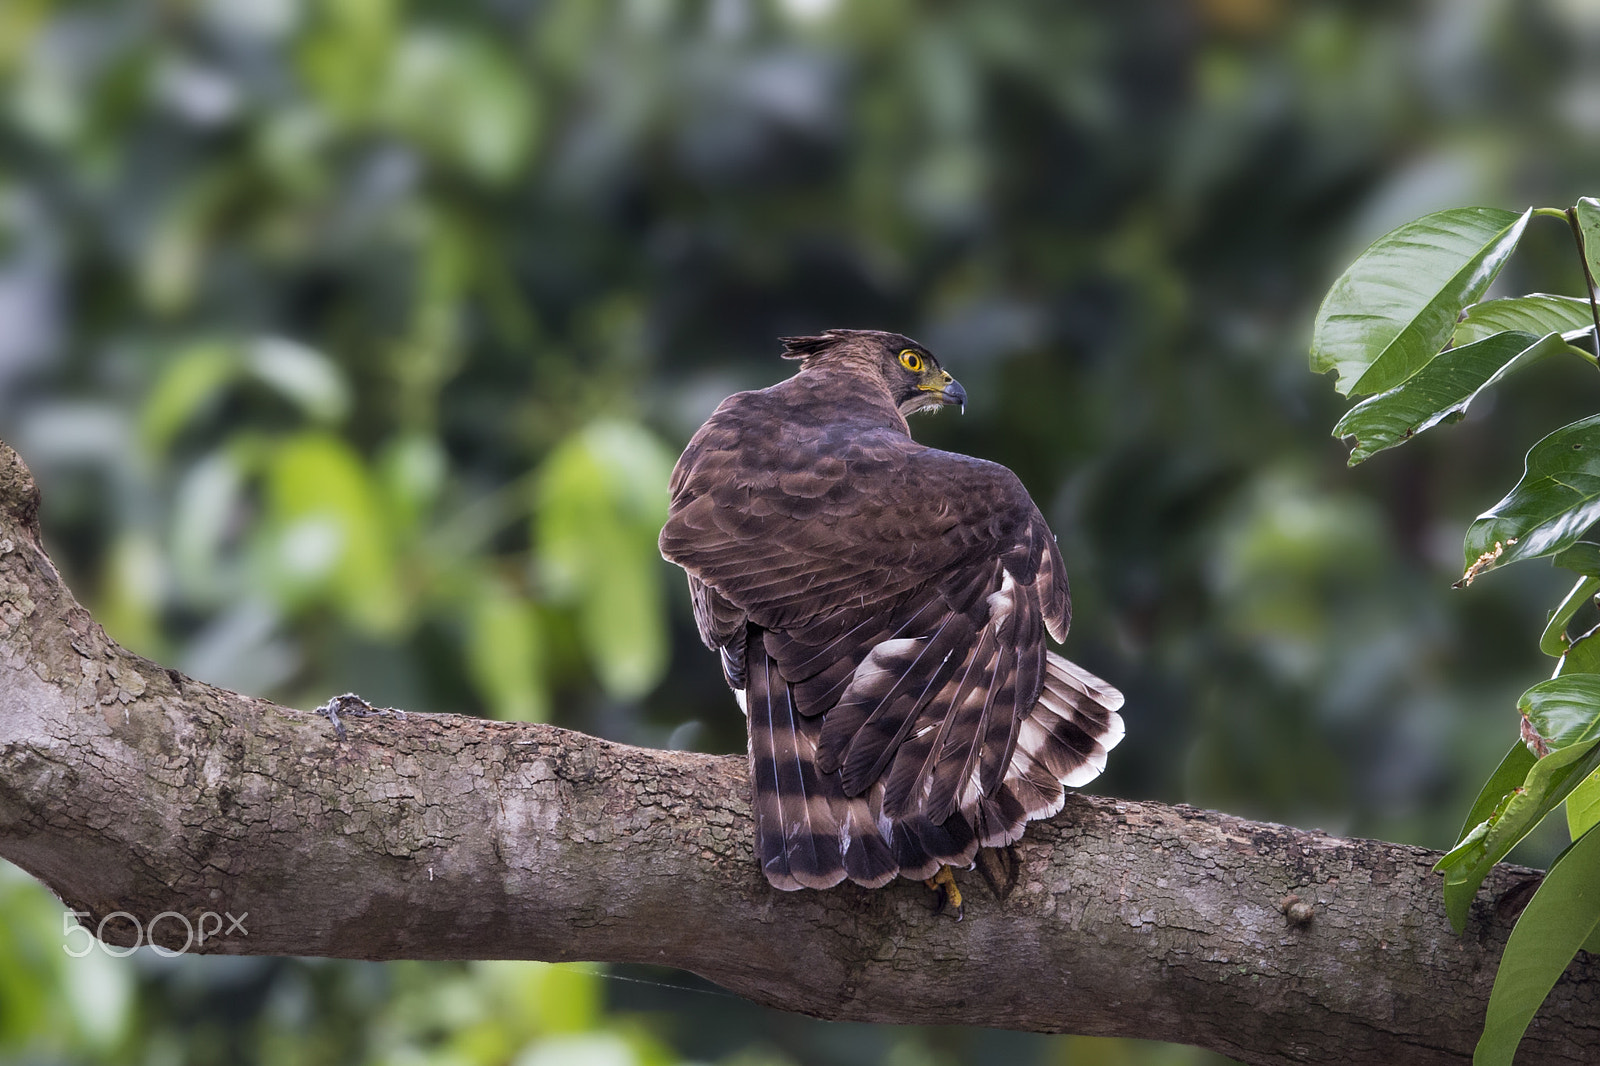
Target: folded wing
x,y
883,614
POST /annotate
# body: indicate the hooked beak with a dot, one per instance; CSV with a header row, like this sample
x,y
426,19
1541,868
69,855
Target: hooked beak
x,y
954,394
945,391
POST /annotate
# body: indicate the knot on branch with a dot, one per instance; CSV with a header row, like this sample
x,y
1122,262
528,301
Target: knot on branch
x,y
19,495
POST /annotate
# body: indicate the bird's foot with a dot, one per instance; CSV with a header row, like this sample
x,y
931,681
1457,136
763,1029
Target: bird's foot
x,y
944,883
352,706
1000,867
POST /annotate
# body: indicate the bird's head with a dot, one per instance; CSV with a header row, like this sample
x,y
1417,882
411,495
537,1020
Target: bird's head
x,y
913,376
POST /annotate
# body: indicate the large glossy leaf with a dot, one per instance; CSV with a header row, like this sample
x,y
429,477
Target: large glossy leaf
x,y
1582,558
1582,657
1537,313
1583,804
1549,782
1397,305
1558,919
1562,711
1440,391
1557,499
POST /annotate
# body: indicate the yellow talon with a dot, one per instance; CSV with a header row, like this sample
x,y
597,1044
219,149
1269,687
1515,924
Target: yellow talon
x,y
944,882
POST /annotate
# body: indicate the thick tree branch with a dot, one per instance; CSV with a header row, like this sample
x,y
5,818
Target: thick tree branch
x,y
125,786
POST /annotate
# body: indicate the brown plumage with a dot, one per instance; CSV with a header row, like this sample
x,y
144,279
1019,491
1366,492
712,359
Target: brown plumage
x,y
880,608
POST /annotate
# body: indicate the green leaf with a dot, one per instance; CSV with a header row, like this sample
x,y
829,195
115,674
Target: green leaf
x,y
1547,784
601,499
209,496
1588,212
1558,919
188,384
1582,558
1509,775
1557,499
329,536
1583,806
1397,305
1553,641
463,98
1537,313
1439,392
504,654
412,469
1562,711
305,377
1583,657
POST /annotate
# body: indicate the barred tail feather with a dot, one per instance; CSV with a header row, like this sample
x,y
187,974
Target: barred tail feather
x,y
1062,744
868,859
808,833
922,846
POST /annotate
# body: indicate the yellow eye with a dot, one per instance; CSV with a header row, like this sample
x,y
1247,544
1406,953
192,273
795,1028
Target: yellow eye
x,y
911,361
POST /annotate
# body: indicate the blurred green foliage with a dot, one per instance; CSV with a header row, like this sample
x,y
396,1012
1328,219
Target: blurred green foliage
x,y
352,340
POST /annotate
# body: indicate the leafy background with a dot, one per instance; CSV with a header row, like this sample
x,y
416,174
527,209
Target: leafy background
x,y
352,341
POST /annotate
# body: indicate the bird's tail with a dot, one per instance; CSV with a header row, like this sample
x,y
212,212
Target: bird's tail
x,y
809,834
1062,744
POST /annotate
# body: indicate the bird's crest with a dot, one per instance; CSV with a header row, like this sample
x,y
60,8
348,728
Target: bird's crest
x,y
807,348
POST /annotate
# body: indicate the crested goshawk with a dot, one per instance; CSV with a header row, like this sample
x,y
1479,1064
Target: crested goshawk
x,y
880,608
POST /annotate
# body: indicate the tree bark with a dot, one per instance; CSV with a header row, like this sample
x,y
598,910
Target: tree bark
x,y
127,787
